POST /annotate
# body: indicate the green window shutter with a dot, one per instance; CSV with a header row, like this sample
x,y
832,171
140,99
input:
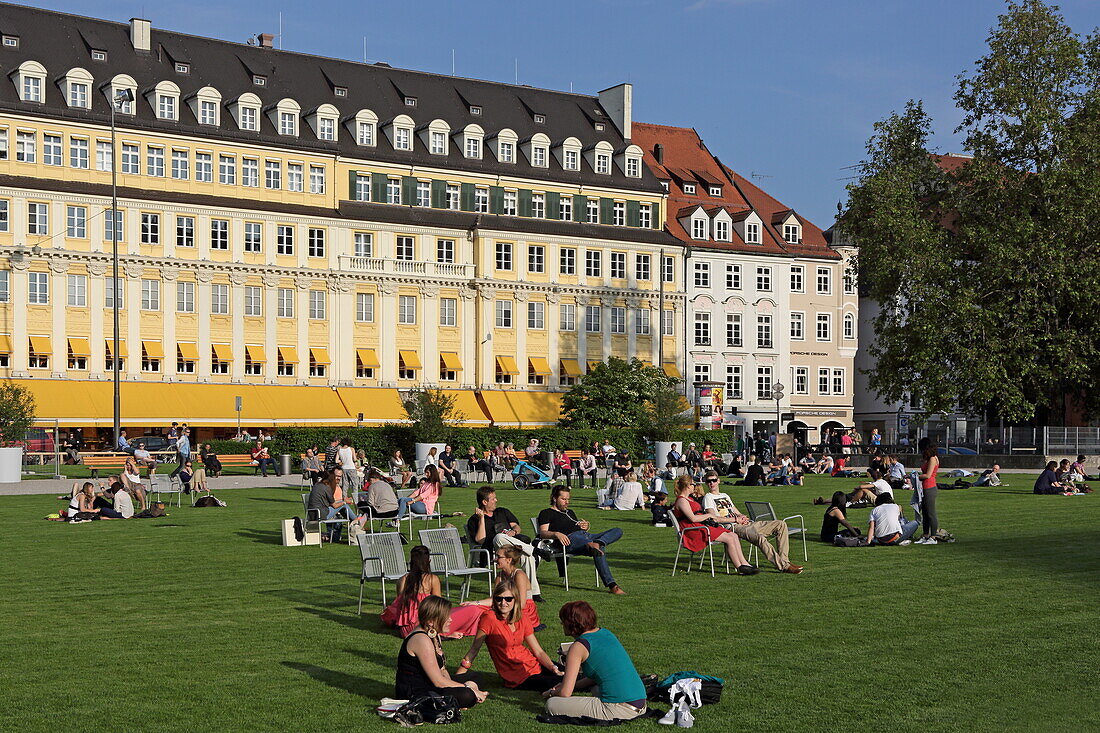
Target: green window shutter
x,y
605,210
439,194
524,202
553,205
655,216
496,199
466,197
352,176
378,187
632,213
408,190
580,208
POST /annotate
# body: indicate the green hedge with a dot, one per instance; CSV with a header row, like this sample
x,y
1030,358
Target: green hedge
x,y
225,447
380,442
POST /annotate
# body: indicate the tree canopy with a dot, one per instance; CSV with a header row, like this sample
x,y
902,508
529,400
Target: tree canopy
x,y
16,412
620,393
432,412
986,269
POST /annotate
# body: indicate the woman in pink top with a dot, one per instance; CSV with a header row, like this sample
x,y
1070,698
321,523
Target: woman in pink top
x,y
415,586
423,500
928,470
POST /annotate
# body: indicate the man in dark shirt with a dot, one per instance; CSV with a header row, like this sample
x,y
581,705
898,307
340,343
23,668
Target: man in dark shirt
x,y
448,466
623,464
559,522
330,454
493,526
754,476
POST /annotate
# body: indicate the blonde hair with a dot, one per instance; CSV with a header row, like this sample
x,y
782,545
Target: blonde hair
x,y
516,612
683,485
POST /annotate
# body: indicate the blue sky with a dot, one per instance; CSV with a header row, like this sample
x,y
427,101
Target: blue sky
x,y
784,89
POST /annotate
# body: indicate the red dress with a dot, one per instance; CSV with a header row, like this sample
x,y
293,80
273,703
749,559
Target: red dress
x,y
464,619
693,540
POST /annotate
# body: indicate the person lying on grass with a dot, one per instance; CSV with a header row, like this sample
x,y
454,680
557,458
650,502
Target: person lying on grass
x,y
421,666
516,653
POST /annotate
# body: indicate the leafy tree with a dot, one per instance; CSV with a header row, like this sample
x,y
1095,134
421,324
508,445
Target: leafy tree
x,y
620,393
987,273
16,412
665,414
432,413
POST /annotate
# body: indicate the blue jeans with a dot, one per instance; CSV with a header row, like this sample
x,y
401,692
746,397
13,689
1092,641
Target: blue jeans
x,y
406,505
335,529
580,538
907,530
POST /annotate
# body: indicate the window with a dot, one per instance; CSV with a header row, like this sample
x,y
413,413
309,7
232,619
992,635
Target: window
x,y
315,246
824,327
326,128
733,277
361,189
641,267
838,382
32,88
702,274
565,208
5,286
567,317
481,199
185,231
448,312
572,160
503,311
502,377
763,332
689,188
180,163
752,233
273,174
453,197
715,190
150,228
668,269
618,265
423,193
849,326
406,248
792,233
733,381
567,257
38,218
593,319
253,236
507,152
183,68
288,123
154,161
219,234
668,322
539,156
364,133
645,215
603,163
702,329
763,383
111,291
824,281
78,153
217,366
536,258
131,160
504,255
593,211
295,177
509,206
284,240
801,380
445,250
538,205
78,363
184,366
208,113
798,326
316,179
473,147
38,361
113,220
699,227
219,299
849,284
204,166
364,307
250,118
733,330
764,279
618,320
402,138
406,310
150,295
76,222
252,368
634,167
410,101
26,147
641,321
593,263
317,305
284,368
51,150
618,214
5,215
166,107
798,284
536,315
702,373
285,303
104,156
824,377
722,230
77,291
253,301
185,297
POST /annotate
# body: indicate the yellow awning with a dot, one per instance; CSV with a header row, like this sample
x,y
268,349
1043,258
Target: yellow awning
x,y
256,353
5,344
671,369
368,358
224,352
409,359
593,363
571,367
188,352
538,365
319,355
507,365
379,406
41,345
153,349
521,409
646,362
122,352
78,347
450,360
288,354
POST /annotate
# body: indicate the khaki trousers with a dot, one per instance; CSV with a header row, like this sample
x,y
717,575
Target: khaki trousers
x,y
526,562
592,707
757,533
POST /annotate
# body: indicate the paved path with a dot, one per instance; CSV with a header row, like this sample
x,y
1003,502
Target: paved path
x,y
63,486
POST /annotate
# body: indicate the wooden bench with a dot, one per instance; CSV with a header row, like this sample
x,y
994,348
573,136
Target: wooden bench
x,y
237,459
106,462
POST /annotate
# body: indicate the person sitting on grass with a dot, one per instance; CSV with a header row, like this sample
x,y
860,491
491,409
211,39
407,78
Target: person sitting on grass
x,y
628,495
416,585
423,500
990,477
82,506
754,476
596,661
516,653
887,525
120,499
559,522
658,509
1048,482
692,515
509,569
825,465
834,517
421,666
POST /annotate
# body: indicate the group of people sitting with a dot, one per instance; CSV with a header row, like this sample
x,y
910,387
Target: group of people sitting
x,y
112,500
1064,478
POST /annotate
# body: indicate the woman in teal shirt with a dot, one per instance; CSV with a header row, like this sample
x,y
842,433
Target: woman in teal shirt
x,y
595,660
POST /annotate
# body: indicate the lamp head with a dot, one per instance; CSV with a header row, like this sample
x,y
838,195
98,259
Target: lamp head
x,y
123,97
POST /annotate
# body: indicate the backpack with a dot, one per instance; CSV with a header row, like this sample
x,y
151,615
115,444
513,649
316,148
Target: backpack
x,y
156,509
842,541
430,707
657,690
209,500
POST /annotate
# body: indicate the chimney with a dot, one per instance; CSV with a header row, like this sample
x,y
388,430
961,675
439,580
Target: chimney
x,y
618,102
266,40
139,34
659,153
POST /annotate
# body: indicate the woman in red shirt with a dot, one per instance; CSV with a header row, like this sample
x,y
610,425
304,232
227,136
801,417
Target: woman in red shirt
x,y
516,654
691,517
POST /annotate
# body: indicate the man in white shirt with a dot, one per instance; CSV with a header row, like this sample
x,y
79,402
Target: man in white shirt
x,y
990,477
629,495
144,458
895,474
715,499
887,525
345,458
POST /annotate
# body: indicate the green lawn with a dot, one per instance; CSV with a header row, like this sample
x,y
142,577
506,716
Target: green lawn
x,y
202,621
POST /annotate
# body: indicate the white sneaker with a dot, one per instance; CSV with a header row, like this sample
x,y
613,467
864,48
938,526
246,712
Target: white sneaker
x,y
670,717
684,718
903,543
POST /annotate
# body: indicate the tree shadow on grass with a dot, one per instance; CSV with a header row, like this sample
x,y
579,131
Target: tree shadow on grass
x,y
361,686
267,537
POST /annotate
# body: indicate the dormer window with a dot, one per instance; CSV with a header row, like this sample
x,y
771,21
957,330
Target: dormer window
x,y
475,110
634,167
689,188
340,91
664,185
438,143
31,81
507,152
472,139
99,55
572,160
699,227
538,156
603,163
540,119
326,129
77,86
246,110
721,230
11,41
259,81
792,233
410,101
599,127
118,84
715,190
78,94
752,233
183,68
165,98
402,138
208,113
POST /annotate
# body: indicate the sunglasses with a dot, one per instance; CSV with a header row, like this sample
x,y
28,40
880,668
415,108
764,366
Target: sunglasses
x,y
502,599
712,480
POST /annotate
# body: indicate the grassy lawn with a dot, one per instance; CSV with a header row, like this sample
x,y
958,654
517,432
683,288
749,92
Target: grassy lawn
x,y
202,621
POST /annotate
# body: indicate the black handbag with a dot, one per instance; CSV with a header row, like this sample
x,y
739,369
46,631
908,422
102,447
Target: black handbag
x,y
430,707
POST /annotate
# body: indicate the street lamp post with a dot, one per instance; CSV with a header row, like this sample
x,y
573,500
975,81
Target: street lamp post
x,y
777,395
122,97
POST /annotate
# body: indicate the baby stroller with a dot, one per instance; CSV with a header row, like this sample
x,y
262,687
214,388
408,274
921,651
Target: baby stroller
x,y
525,474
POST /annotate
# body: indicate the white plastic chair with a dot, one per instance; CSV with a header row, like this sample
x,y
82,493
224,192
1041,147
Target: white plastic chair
x,y
449,558
164,484
708,550
383,558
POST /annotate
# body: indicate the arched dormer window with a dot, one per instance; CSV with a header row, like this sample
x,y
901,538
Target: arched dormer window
x,y
206,104
30,80
473,138
436,136
118,84
630,160
165,101
569,154
537,150
366,127
77,88
323,120
400,132
284,116
506,146
246,112
599,157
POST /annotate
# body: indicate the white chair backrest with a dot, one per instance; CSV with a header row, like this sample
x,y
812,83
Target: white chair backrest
x,y
444,541
760,510
675,523
385,546
404,493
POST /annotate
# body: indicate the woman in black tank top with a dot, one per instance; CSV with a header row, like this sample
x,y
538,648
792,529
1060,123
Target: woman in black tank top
x,y
417,674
